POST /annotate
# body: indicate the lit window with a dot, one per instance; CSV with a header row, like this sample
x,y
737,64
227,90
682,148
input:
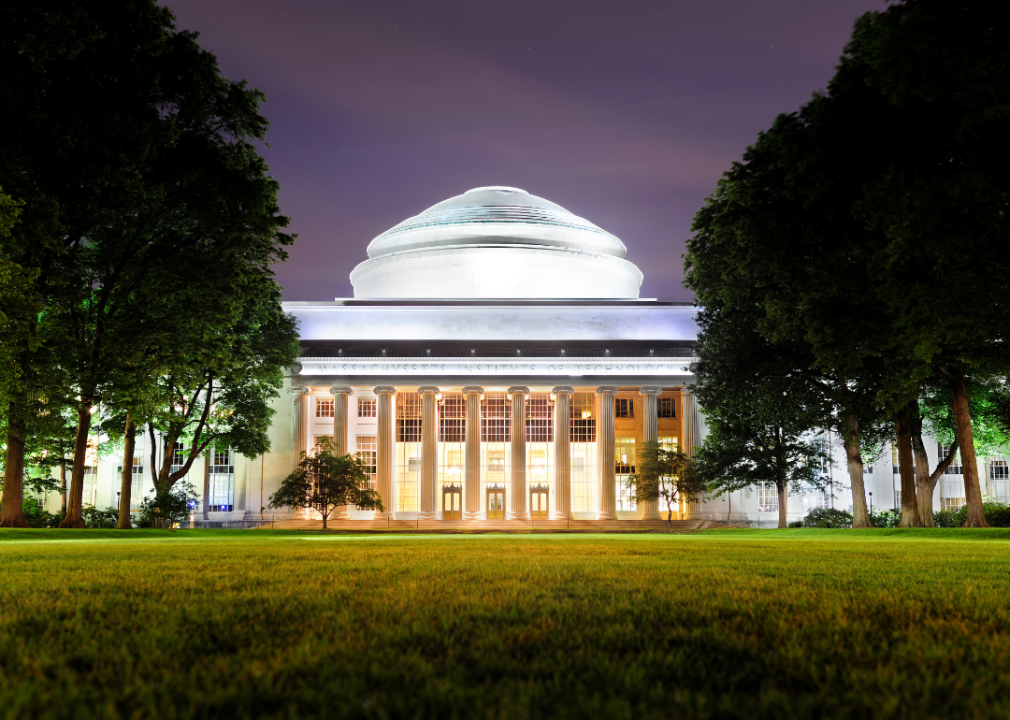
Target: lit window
x,y
324,408
539,418
495,418
955,466
452,418
582,425
768,497
408,417
366,408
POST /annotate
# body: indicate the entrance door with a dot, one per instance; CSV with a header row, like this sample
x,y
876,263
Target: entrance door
x,y
538,502
495,503
452,502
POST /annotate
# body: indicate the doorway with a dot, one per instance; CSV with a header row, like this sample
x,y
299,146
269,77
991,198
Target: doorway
x,y
452,502
539,502
496,502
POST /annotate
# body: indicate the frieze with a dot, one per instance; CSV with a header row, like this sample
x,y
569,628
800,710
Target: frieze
x,y
496,366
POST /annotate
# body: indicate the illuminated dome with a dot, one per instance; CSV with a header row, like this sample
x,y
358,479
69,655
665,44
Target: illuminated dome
x,y
496,242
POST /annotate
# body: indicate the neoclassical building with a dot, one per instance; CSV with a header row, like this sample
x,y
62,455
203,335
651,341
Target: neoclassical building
x,y
496,363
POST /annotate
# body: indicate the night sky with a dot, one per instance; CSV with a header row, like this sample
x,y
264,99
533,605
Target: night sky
x,y
625,113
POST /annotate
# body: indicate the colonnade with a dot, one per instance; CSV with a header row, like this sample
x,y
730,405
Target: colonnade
x,y
562,480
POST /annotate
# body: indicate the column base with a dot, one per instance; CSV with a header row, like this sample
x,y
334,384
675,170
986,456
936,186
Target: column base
x,y
606,516
654,515
427,516
473,515
382,515
518,516
561,515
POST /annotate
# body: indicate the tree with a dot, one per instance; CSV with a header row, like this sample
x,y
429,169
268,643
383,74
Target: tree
x,y
167,506
664,475
326,481
141,181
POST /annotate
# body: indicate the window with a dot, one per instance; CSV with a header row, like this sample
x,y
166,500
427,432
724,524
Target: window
x,y
452,418
90,485
999,470
952,504
897,498
368,452
624,467
324,408
366,407
318,441
222,480
667,407
768,498
624,408
539,418
868,469
955,466
581,421
408,417
179,456
496,418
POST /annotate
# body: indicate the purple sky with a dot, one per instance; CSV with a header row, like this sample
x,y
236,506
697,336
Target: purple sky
x,y
625,113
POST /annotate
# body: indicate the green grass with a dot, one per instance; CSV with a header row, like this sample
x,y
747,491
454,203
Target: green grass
x,y
798,623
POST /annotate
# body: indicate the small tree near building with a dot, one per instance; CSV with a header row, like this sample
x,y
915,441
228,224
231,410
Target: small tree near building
x,y
666,476
326,481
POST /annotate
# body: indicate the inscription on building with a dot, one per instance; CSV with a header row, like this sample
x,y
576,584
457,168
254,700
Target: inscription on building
x,y
616,367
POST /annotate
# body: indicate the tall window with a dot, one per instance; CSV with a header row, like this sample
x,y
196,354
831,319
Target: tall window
x,y
584,462
999,471
221,497
324,408
366,407
368,447
667,407
624,408
624,467
768,497
495,418
179,455
495,448
90,496
955,466
451,441
539,440
408,452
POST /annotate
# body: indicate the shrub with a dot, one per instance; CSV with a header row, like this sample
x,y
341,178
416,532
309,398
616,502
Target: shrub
x,y
946,519
826,518
37,517
886,518
167,507
997,514
95,518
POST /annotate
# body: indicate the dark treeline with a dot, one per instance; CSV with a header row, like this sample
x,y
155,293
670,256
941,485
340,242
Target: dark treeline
x,y
854,267
138,224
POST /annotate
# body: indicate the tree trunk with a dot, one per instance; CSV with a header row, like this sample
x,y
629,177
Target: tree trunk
x,y
909,507
966,440
12,509
923,486
854,463
73,518
126,489
63,490
783,504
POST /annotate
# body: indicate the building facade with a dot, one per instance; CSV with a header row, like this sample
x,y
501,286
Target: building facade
x,y
495,363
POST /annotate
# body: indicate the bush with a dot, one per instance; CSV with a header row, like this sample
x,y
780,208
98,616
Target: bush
x,y
37,517
886,518
997,514
95,518
167,507
946,519
825,518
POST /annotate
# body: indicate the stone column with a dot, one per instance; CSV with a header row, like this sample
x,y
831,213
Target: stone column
x,y
518,395
650,433
689,423
340,423
606,449
429,452
471,490
562,452
299,440
340,445
385,448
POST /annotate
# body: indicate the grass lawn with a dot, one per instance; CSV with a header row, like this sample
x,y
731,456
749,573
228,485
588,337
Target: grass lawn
x,y
796,623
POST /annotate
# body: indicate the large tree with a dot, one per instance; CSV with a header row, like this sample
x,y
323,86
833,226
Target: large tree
x,y
137,164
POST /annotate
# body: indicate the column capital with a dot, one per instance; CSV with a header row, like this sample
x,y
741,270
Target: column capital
x,y
341,390
563,390
650,390
299,390
473,389
606,390
518,391
384,390
424,389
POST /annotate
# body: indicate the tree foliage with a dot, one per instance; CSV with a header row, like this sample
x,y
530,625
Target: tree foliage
x,y
666,476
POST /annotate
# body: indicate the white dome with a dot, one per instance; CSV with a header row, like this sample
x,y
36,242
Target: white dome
x,y
496,242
